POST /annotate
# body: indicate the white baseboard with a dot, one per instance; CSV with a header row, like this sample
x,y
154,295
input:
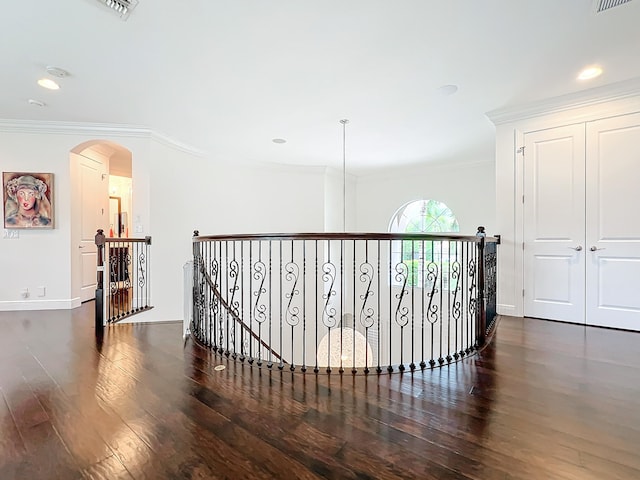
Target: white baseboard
x,y
67,304
509,310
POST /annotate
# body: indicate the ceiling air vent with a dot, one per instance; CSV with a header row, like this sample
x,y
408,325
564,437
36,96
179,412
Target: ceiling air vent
x,y
122,8
602,5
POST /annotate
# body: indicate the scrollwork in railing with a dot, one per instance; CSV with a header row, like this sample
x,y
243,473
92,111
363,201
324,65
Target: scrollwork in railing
x,y
491,281
419,313
367,313
259,307
471,272
123,281
233,274
472,307
329,311
115,266
456,304
214,293
127,268
200,306
292,314
216,326
402,277
490,273
215,335
142,259
233,303
455,279
214,268
198,294
432,279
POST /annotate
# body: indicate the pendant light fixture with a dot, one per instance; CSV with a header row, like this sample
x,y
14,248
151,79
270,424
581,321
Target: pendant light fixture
x,y
344,122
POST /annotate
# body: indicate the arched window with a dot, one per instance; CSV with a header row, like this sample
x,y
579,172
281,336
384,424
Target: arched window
x,y
421,216
424,216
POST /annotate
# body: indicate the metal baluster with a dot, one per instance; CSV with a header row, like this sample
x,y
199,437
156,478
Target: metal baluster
x,y
316,368
304,306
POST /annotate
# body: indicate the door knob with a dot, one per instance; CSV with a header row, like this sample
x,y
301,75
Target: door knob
x,y
577,249
595,249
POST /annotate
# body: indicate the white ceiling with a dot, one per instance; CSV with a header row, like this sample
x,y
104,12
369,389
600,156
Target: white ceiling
x,y
228,76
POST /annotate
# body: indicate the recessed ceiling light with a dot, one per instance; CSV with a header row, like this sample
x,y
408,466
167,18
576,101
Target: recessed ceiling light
x,y
446,90
57,72
36,103
590,72
279,140
48,83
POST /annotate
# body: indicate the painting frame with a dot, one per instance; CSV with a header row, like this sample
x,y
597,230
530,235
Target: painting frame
x,y
27,200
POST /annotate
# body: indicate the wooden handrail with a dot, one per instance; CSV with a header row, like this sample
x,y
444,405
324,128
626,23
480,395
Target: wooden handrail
x,y
414,311
346,236
246,327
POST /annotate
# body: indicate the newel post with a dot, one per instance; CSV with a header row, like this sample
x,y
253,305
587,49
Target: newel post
x,y
481,310
194,250
196,271
99,314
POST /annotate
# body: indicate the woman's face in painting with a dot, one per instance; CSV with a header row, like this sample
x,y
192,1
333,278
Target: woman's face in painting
x,y
26,198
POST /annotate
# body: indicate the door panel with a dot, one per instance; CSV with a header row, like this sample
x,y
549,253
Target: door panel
x,y
554,209
613,222
93,192
615,291
557,267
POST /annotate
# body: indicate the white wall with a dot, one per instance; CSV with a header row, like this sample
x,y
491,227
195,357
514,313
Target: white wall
x,y
174,192
192,193
44,258
337,216
38,258
467,189
262,199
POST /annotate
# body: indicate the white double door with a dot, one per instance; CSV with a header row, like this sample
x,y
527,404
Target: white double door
x,y
582,223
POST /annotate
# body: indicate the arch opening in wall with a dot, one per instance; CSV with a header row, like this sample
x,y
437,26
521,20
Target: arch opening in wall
x,y
101,198
421,216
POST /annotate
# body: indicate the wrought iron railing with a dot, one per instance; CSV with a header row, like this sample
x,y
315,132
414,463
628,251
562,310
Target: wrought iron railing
x,y
123,287
344,301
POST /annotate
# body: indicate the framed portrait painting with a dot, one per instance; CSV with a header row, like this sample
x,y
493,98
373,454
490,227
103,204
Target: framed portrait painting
x,y
27,200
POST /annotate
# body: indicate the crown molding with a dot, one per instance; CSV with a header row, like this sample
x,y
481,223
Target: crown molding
x,y
72,128
585,98
177,144
95,130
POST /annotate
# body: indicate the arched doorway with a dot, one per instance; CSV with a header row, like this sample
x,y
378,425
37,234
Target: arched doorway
x,y
99,169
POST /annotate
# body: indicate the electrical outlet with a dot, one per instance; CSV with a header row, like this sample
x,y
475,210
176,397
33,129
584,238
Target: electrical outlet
x,y
42,291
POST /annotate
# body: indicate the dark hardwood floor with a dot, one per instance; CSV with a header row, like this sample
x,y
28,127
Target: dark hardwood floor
x,y
544,401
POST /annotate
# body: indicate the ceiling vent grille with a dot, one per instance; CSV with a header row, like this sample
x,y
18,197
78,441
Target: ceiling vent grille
x,y
122,8
602,5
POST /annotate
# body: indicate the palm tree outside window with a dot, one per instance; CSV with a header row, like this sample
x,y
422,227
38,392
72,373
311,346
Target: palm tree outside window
x,y
421,216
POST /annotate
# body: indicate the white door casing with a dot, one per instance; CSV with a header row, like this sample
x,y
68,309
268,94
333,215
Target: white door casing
x,y
613,222
554,231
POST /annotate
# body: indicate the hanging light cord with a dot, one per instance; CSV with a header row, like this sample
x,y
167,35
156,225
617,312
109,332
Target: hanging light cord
x,y
344,174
